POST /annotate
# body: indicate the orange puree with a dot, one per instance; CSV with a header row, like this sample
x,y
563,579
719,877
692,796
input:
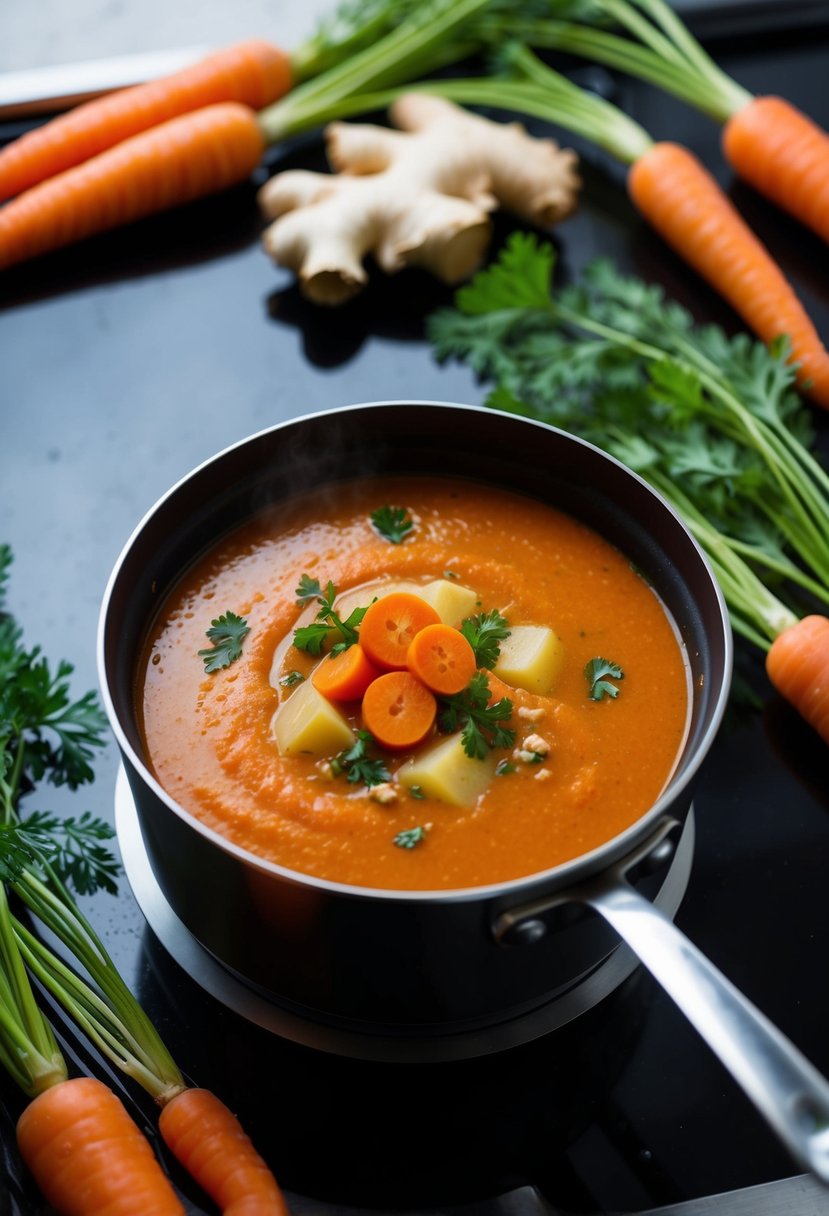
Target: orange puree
x,y
209,741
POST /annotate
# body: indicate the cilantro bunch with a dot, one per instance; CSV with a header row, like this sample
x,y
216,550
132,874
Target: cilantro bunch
x,y
712,422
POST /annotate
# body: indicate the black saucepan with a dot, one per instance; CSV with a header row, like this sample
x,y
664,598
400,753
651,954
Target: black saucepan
x,y
419,964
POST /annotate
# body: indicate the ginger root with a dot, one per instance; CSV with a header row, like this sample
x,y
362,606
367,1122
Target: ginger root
x,y
418,196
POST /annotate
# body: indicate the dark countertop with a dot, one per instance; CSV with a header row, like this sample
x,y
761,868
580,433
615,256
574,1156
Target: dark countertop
x,y
127,361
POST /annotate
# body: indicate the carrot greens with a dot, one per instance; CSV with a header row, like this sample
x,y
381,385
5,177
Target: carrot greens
x,y
711,422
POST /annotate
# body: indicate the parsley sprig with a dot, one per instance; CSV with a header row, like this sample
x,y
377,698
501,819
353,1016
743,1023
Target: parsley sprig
x,y
712,422
312,638
481,723
599,673
47,737
485,632
227,633
358,766
392,523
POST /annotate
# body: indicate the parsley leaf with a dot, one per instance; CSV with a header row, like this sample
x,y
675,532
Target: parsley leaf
x,y
290,679
357,765
392,523
312,638
416,791
481,723
596,673
411,837
484,632
226,633
309,589
503,767
74,850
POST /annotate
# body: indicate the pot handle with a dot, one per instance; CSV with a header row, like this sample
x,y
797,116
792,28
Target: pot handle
x,y
787,1090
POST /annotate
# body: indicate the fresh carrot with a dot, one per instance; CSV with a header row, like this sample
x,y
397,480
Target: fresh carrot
x,y
207,1139
390,624
784,155
683,202
442,659
176,162
398,710
88,1157
254,73
770,143
798,667
345,676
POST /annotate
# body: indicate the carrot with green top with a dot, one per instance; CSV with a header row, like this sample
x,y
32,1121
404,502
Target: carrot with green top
x,y
773,145
49,736
798,666
96,173
678,196
254,73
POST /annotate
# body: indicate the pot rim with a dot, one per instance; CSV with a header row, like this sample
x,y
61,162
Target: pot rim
x,y
562,875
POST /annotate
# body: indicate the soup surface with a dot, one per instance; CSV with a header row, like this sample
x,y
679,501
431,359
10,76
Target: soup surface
x,y
601,761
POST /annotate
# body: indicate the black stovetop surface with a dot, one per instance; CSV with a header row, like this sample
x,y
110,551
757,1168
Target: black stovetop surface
x,y
125,363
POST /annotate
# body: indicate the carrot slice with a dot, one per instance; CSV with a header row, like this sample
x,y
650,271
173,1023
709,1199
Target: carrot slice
x,y
345,676
87,1156
682,200
398,710
209,1142
798,667
389,626
442,658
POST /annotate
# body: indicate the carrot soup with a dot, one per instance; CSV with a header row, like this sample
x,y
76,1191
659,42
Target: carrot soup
x,y
414,683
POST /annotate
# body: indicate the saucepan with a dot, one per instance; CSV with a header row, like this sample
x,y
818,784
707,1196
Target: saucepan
x,y
471,965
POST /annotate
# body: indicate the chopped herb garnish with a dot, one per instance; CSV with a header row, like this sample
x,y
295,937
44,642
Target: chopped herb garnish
x,y
450,574
392,523
290,679
410,837
503,767
416,791
310,589
481,722
596,673
226,633
356,764
312,638
484,633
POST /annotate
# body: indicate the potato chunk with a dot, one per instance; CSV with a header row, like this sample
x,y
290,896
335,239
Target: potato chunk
x,y
445,771
452,602
308,722
530,658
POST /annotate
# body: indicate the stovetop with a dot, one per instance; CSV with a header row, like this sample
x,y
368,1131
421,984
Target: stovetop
x,y
126,363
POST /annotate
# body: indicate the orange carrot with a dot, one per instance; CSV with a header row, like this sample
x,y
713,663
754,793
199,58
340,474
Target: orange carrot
x,y
88,1157
442,659
181,160
209,1142
686,206
254,73
798,667
345,676
398,710
784,155
390,624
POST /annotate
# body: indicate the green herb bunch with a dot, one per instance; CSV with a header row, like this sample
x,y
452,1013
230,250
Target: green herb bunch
x,y
712,422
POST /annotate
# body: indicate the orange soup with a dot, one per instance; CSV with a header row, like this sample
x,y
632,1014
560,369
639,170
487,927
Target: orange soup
x,y
567,732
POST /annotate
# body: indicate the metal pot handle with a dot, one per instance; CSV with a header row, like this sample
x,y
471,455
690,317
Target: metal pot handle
x,y
788,1091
